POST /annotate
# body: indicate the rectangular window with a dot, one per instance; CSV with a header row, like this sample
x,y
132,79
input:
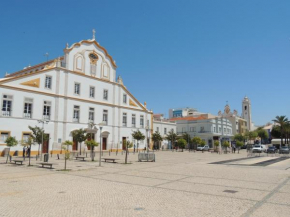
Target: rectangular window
x,y
183,129
124,119
7,105
27,113
125,98
105,95
224,130
157,129
165,130
77,88
220,129
46,110
141,121
133,120
25,137
105,116
191,129
4,136
92,92
76,115
91,115
201,129
214,129
48,82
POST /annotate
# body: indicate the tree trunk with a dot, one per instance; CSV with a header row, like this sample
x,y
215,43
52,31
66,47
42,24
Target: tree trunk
x,y
8,155
93,147
126,154
80,148
29,154
65,161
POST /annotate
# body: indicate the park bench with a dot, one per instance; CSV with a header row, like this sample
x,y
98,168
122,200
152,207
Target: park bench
x,y
110,159
80,158
46,164
18,161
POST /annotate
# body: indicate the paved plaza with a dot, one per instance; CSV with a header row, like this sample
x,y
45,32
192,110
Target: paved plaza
x,y
177,184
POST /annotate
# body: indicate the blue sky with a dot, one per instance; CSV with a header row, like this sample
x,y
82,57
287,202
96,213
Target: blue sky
x,y
169,53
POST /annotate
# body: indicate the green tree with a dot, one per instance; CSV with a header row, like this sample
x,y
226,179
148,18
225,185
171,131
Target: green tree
x,y
66,145
202,143
252,135
196,141
187,138
128,145
181,143
262,134
226,144
276,132
239,137
29,142
80,136
138,136
156,138
239,144
171,136
36,136
282,121
92,144
216,144
10,142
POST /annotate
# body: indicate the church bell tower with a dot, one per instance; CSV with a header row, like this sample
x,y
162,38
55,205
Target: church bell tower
x,y
246,112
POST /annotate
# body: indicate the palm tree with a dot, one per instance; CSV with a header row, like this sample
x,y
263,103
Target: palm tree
x,y
171,136
282,121
156,138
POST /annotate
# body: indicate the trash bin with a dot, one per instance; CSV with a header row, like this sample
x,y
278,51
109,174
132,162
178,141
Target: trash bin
x,y
45,158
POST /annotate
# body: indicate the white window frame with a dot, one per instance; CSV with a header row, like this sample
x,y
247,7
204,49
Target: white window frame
x,y
125,98
45,82
7,97
28,101
91,110
92,87
133,122
79,89
124,120
105,97
141,121
44,113
105,114
76,119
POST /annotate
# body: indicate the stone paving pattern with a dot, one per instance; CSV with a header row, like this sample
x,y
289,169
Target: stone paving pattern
x,y
177,184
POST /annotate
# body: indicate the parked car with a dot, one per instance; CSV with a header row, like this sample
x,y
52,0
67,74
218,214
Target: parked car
x,y
258,149
244,146
284,150
202,148
271,150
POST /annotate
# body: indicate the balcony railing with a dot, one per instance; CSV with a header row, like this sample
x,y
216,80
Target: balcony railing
x,y
6,113
46,117
27,115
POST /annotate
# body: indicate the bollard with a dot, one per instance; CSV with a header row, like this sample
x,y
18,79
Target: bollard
x,y
10,158
58,156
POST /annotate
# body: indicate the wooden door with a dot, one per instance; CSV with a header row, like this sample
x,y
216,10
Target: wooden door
x,y
124,143
45,146
104,143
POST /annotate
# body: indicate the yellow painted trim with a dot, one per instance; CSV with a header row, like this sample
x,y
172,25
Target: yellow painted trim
x,y
32,83
92,42
132,103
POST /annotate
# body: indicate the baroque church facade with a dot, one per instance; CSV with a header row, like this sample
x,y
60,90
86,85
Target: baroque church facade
x,y
240,123
77,90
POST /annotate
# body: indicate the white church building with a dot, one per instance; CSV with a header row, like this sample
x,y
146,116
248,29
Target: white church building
x,y
69,93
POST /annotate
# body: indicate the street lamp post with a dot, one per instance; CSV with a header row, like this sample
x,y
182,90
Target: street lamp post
x,y
92,129
43,121
101,127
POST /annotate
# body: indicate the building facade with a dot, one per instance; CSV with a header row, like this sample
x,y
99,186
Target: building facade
x,y
163,126
208,129
71,92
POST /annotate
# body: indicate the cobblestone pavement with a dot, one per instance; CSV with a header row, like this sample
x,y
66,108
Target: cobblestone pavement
x,y
177,184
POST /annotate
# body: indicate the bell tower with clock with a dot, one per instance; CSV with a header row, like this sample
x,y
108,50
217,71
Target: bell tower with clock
x,y
246,112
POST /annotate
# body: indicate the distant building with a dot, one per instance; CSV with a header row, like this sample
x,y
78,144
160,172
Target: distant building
x,y
183,112
163,126
205,127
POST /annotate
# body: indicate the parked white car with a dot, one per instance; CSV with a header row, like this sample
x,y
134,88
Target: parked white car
x,y
258,149
202,148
